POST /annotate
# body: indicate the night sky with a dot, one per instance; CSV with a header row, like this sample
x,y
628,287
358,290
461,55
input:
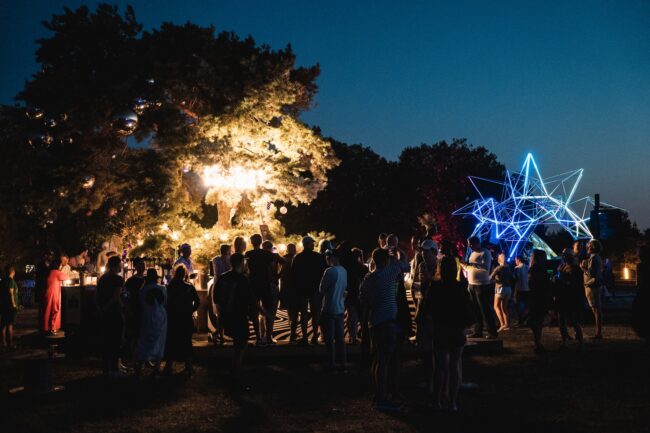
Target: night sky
x,y
566,80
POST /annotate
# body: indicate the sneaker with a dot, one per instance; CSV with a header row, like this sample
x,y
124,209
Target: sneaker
x,y
491,337
260,343
597,337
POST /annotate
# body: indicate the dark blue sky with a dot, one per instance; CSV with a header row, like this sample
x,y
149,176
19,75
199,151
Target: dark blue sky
x,y
567,80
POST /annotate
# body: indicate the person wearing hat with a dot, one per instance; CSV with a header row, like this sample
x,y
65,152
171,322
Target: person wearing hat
x,y
332,288
568,296
306,273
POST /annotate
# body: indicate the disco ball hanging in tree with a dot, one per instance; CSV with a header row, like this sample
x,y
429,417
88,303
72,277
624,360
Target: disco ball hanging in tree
x,y
125,122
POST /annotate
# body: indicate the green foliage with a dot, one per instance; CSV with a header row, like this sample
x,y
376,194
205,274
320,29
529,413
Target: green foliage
x,y
206,99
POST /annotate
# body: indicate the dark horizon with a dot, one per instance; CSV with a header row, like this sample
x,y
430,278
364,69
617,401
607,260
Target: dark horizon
x,y
566,83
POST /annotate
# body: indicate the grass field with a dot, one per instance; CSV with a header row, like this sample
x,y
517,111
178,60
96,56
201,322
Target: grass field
x,y
604,389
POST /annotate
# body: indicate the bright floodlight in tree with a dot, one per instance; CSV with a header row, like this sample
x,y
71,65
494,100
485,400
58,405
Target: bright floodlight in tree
x,y
234,178
528,200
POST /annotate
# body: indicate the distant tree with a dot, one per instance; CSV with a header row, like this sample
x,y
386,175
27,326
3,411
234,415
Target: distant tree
x,y
122,123
358,201
438,175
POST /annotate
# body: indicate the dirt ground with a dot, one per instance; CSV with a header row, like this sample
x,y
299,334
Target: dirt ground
x,y
604,389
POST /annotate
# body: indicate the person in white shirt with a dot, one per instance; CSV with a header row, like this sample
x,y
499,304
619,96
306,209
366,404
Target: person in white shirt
x,y
185,260
480,289
522,292
332,287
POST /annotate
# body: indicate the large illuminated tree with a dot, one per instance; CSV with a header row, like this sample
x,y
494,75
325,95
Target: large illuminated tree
x,y
137,133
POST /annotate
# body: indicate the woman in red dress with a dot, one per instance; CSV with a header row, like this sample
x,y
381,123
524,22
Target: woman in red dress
x,y
52,299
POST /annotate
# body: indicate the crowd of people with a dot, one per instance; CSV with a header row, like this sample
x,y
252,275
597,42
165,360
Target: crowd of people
x,y
326,289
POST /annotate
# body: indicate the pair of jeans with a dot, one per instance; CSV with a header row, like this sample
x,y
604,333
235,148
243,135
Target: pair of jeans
x,y
332,327
482,296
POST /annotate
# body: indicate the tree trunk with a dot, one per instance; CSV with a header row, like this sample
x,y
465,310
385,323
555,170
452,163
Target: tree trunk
x,y
223,216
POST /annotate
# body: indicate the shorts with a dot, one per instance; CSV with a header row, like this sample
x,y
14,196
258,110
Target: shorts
x,y
594,296
7,317
384,338
503,292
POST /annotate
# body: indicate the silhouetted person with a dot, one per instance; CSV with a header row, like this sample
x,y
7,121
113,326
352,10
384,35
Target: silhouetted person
x,y
592,268
220,265
641,305
260,269
132,287
449,315
111,320
289,298
540,296
332,287
356,270
521,290
569,296
237,305
153,322
8,306
182,302
478,268
306,272
378,294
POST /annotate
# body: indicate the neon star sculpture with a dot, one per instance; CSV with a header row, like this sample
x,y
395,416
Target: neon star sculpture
x,y
528,200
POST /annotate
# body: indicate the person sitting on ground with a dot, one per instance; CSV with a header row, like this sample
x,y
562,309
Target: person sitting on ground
x,y
332,288
502,276
237,304
378,294
569,296
182,302
111,319
153,323
8,306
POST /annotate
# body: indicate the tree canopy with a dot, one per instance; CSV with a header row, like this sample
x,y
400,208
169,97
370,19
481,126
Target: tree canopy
x,y
122,123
